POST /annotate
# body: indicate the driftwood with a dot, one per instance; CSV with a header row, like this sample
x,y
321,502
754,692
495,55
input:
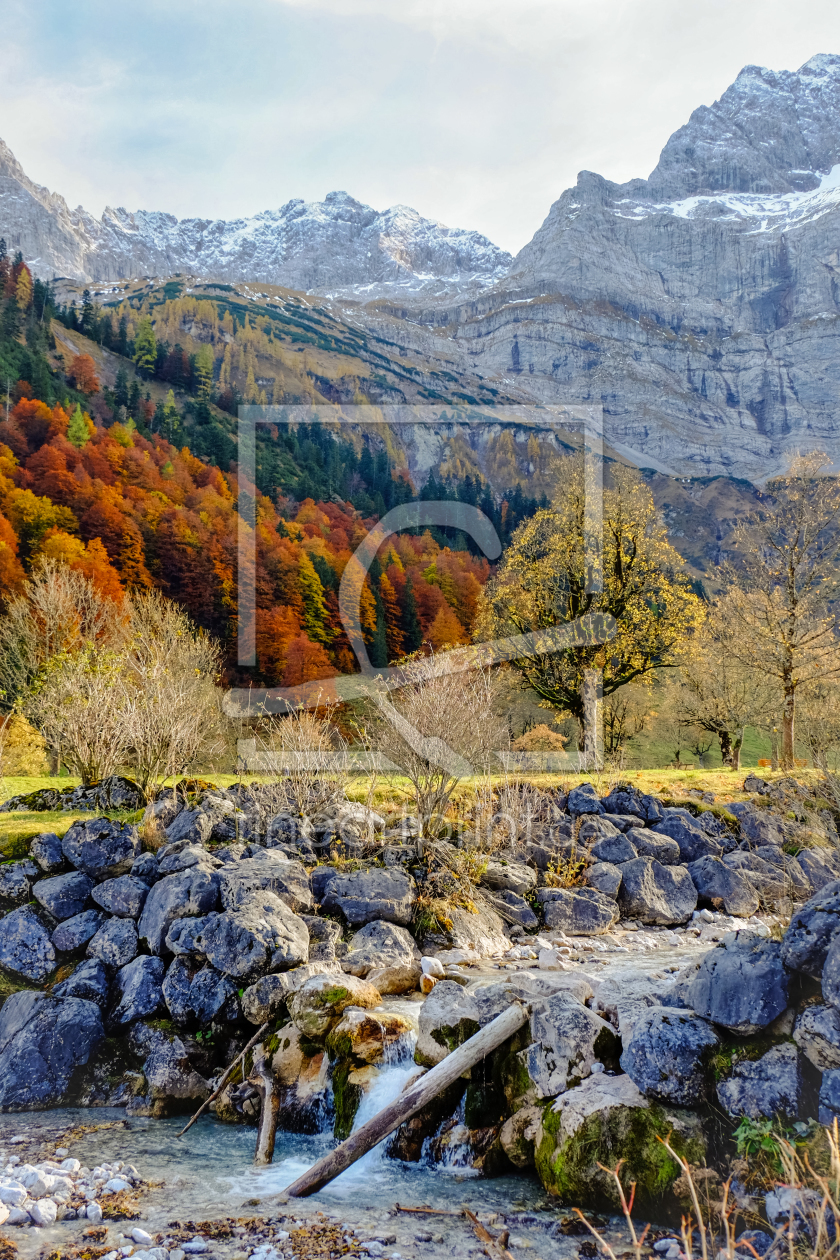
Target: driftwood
x,y
496,1247
418,1095
262,1078
240,1058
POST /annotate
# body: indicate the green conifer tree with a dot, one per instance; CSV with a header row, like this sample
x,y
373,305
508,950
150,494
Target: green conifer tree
x,y
145,346
77,430
314,607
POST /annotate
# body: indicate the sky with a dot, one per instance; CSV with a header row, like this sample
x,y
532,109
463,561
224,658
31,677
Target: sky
x,y
478,113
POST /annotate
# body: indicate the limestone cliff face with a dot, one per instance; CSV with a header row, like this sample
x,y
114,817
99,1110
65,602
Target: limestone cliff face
x,y
701,305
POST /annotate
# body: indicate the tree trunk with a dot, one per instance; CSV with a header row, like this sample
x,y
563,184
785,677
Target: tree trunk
x,y
736,750
788,715
418,1095
725,740
54,762
262,1078
593,728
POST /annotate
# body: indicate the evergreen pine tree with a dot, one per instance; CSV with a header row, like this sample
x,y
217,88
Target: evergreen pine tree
x,y
77,430
378,646
145,346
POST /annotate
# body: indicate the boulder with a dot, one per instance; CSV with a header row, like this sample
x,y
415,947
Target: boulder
x,y
656,894
374,894
185,895
261,935
193,825
668,1056
482,932
146,868
183,934
448,1017
617,848
264,999
25,947
101,848
171,1078
757,825
319,1004
267,870
742,985
379,944
89,981
566,1040
115,944
396,978
789,870
812,929
15,880
46,850
817,1033
515,909
627,799
583,800
64,896
649,844
604,1120
724,887
73,933
509,877
320,878
495,996
367,1035
578,911
766,879
184,857
818,866
605,878
830,1097
693,841
124,896
198,996
831,974
138,992
43,1039
517,1136
766,1087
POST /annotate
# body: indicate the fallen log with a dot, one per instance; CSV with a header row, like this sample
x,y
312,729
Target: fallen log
x,y
485,1041
262,1078
240,1058
496,1248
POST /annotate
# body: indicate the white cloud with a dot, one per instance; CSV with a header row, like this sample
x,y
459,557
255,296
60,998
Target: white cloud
x,y
476,112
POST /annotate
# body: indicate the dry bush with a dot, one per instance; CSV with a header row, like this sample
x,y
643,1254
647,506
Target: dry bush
x,y
314,761
23,750
540,738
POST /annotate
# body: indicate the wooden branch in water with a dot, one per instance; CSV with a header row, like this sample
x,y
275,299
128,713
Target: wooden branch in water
x,y
485,1041
496,1248
240,1058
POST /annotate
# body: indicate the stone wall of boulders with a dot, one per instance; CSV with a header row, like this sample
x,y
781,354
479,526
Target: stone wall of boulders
x,y
139,974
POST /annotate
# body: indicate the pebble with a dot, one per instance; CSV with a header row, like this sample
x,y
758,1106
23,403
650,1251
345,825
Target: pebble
x,y
94,1213
195,1246
139,1235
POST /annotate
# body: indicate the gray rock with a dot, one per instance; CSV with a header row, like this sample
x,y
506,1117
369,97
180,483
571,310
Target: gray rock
x,y
605,877
25,946
379,944
578,911
566,1039
742,984
448,1017
46,850
617,848
668,1056
320,878
15,880
184,933
724,887
766,1087
509,877
656,894
64,896
146,868
534,987
198,996
184,857
816,865
817,1033
264,935
759,827
184,895
831,974
628,800
194,826
73,933
269,871
124,896
515,910
693,841
171,1076
648,844
43,1039
830,1097
89,981
583,800
115,944
101,848
592,827
767,880
790,870
138,992
265,999
812,929
374,894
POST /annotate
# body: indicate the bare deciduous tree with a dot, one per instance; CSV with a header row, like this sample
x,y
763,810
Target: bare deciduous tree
x,y
168,695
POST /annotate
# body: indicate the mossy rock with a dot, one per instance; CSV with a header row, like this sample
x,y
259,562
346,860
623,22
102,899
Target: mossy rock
x,y
346,1098
602,1122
